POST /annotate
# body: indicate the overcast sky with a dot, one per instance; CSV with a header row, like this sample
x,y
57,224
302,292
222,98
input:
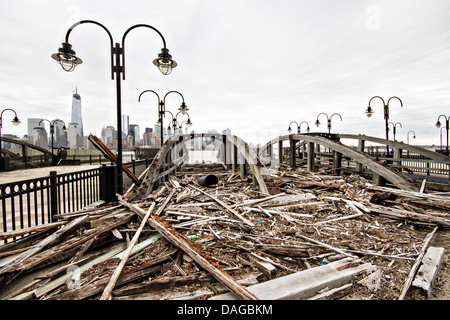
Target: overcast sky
x,y
249,65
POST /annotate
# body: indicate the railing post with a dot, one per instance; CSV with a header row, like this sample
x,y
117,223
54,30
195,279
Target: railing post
x,y
337,163
53,194
292,143
310,156
107,183
359,166
398,155
280,152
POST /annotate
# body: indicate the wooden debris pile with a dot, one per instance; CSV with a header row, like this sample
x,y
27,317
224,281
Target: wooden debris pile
x,y
187,241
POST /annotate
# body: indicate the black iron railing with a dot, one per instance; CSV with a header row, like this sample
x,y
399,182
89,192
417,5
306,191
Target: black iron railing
x,y
35,201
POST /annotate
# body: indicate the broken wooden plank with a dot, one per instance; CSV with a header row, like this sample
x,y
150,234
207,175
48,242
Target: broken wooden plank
x,y
429,269
10,272
96,142
184,244
107,292
325,245
414,216
333,294
237,214
285,250
21,232
114,253
162,284
266,268
410,278
50,240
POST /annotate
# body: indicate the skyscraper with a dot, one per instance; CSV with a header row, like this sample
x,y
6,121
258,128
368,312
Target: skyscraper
x,y
76,112
125,126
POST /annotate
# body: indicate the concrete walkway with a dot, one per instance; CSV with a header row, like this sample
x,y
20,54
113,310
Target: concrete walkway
x,y
25,174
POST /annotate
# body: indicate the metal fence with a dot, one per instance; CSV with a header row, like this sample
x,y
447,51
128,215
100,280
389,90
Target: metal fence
x,y
35,201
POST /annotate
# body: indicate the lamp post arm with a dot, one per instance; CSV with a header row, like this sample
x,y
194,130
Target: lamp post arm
x,y
300,125
378,98
123,41
173,91
324,114
104,28
1,115
394,97
337,115
446,119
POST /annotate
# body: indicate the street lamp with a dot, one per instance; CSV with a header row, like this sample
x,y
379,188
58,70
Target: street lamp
x,y
162,108
407,136
369,112
52,129
16,122
188,124
317,123
394,127
68,60
438,125
289,128
299,125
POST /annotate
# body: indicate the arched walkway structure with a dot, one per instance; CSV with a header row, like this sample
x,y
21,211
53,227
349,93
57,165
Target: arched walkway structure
x,y
173,154
332,141
24,158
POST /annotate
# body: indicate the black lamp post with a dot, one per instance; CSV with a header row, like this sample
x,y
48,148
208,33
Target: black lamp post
x,y
16,122
438,124
369,112
162,108
394,126
188,124
299,125
52,129
68,60
328,120
407,137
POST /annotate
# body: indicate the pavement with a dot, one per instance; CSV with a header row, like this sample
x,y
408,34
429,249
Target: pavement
x,y
25,174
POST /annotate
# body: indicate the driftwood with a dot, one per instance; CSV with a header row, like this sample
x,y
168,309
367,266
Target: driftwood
x,y
182,242
10,272
403,214
116,274
223,204
290,251
416,265
226,230
21,232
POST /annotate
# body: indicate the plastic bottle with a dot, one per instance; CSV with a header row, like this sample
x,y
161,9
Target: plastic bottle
x,y
193,237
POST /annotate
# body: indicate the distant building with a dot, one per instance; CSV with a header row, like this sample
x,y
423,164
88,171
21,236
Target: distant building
x,y
74,136
150,138
109,137
59,135
41,139
31,132
125,126
76,112
135,133
226,131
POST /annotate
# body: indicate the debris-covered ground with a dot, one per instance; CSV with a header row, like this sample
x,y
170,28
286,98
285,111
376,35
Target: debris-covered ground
x,y
316,219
